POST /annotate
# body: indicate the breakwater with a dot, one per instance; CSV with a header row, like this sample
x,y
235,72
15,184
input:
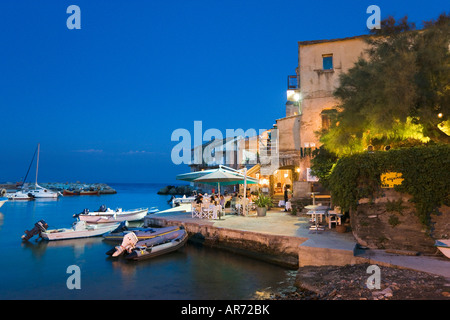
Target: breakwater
x,y
103,188
176,190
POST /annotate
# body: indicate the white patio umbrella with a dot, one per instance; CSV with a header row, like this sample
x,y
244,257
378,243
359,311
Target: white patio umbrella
x,y
222,177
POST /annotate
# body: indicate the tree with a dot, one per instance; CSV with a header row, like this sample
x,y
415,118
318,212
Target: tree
x,y
400,92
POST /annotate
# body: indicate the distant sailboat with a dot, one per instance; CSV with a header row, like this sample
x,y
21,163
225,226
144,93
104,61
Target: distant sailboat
x,y
38,191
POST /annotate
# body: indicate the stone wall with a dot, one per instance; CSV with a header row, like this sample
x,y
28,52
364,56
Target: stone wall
x,y
376,227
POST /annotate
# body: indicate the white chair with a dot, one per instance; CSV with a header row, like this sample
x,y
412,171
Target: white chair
x,y
206,211
196,211
334,217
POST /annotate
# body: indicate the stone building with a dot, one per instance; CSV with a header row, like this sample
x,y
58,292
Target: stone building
x,y
310,106
280,157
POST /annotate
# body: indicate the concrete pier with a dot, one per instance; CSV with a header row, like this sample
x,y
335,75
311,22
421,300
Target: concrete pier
x,y
285,239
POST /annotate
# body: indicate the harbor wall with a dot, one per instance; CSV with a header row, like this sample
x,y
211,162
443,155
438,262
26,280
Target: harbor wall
x,y
378,226
280,250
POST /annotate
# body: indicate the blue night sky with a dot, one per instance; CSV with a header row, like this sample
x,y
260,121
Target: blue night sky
x,y
103,101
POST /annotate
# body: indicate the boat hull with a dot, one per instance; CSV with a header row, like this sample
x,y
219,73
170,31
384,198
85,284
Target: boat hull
x,y
44,195
162,245
2,201
108,217
444,247
19,196
141,234
63,234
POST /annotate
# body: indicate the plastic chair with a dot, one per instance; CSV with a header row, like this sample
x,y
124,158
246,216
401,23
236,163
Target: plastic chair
x,y
196,211
206,211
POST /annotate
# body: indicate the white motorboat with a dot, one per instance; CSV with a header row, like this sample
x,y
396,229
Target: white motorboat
x,y
20,195
444,246
40,192
80,229
106,215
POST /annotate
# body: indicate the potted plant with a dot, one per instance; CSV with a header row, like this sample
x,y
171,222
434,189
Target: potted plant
x,y
262,203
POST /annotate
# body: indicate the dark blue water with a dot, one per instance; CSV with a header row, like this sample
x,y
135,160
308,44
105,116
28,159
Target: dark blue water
x,y
38,270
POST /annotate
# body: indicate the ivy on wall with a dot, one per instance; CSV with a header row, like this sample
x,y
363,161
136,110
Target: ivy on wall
x,y
425,170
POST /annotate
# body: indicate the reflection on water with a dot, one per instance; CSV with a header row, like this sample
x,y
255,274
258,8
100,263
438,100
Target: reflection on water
x,y
76,246
37,269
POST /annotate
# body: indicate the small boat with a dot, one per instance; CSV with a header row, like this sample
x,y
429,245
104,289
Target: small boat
x,y
141,233
81,192
444,246
106,215
20,195
3,200
79,229
133,249
40,192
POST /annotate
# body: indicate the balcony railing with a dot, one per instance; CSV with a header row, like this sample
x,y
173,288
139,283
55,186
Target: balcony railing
x,y
292,82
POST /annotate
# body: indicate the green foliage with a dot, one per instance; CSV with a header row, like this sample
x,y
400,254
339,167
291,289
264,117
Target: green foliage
x,y
395,206
394,221
397,92
425,170
263,201
323,162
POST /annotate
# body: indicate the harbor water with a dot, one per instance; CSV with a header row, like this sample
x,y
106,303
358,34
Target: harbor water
x,y
40,270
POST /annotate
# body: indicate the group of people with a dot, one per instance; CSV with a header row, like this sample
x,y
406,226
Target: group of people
x,y
235,200
212,199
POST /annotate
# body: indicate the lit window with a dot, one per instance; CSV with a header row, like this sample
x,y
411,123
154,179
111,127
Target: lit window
x,y
327,61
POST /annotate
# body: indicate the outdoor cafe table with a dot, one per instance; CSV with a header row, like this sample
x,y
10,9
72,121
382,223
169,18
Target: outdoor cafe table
x,y
316,211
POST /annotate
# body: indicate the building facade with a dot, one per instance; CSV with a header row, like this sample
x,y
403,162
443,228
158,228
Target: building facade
x,y
310,106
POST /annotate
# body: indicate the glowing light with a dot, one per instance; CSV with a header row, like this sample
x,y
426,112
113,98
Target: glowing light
x,y
440,115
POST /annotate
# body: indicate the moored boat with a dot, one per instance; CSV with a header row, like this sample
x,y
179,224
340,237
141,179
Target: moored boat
x,y
81,192
40,192
79,229
3,200
20,195
133,249
141,233
444,246
106,215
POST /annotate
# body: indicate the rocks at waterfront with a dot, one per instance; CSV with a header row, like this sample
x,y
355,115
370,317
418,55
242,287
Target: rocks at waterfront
x,y
56,186
176,190
349,283
101,187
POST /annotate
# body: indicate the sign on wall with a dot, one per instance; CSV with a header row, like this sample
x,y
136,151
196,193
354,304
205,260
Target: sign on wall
x,y
391,179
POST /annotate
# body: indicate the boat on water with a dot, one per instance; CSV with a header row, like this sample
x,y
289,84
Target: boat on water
x,y
444,246
40,192
81,192
79,229
106,215
3,200
20,195
141,233
133,249
37,191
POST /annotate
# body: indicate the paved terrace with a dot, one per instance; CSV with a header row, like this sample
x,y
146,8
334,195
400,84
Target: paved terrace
x,y
283,232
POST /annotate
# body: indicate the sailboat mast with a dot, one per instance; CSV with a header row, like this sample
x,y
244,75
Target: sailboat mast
x,y
37,164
